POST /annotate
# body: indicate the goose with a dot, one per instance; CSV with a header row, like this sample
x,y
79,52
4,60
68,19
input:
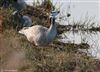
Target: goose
x,y
40,35
25,20
19,5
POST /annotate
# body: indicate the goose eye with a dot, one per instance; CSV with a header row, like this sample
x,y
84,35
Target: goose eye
x,y
68,15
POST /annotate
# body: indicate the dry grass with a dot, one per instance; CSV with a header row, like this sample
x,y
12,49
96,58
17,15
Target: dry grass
x,y
56,58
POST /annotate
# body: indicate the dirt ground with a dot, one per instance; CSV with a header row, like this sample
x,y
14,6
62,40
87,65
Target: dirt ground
x,y
11,59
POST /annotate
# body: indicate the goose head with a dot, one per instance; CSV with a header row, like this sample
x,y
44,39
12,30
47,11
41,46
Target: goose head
x,y
53,14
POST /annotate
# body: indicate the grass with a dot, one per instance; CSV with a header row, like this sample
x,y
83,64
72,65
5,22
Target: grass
x,y
59,57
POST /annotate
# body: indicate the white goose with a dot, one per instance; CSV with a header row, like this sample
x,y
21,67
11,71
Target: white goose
x,y
40,35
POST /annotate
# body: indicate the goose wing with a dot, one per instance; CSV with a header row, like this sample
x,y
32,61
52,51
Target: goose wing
x,y
39,28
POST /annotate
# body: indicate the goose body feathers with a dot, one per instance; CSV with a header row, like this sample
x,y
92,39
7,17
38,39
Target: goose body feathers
x,y
40,35
36,34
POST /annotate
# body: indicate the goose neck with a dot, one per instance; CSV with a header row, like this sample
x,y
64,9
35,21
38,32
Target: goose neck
x,y
52,27
53,21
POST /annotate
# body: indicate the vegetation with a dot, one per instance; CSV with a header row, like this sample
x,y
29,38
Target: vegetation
x,y
16,53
